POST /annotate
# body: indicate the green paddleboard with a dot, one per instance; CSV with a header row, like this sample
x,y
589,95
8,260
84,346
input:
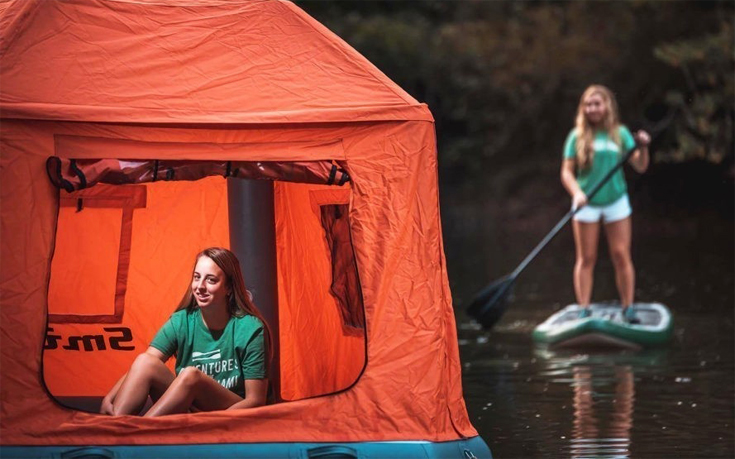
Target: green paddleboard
x,y
605,327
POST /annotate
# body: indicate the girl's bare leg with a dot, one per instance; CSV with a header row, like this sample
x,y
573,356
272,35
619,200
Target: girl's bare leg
x,y
193,388
148,375
586,238
618,239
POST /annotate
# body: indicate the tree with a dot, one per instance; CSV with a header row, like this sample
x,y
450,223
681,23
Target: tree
x,y
704,106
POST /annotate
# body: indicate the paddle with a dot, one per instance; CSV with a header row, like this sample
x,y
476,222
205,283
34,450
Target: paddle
x,y
491,302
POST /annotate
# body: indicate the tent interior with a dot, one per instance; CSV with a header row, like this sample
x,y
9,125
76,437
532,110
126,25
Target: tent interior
x,y
123,258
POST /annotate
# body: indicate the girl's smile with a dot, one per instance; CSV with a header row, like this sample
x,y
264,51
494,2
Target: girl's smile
x,y
595,109
208,283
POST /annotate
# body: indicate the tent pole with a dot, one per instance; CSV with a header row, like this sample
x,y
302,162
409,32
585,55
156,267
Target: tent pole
x,y
253,240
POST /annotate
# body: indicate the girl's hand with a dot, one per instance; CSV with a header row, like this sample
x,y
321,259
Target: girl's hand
x,y
642,138
578,200
106,407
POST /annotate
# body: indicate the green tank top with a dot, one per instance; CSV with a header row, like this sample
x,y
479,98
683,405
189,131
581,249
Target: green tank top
x,y
606,156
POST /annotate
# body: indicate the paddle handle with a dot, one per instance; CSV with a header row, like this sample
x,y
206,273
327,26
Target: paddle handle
x,y
555,230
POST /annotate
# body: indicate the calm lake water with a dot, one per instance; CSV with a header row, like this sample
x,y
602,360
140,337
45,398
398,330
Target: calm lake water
x,y
527,401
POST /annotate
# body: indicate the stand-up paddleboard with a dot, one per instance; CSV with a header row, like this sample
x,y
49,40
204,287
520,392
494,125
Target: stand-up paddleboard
x,y
606,327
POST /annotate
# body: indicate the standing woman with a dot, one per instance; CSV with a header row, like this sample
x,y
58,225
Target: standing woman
x,y
221,343
595,146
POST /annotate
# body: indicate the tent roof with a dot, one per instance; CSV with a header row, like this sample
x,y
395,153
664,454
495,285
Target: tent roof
x,y
257,61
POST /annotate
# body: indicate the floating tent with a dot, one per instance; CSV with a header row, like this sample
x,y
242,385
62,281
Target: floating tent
x,y
122,123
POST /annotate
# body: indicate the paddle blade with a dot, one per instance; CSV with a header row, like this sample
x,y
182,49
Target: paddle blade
x,y
490,303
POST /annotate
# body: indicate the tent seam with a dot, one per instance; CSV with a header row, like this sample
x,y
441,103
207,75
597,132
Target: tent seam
x,y
250,115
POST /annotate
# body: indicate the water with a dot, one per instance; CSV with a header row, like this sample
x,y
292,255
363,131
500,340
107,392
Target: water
x,y
528,401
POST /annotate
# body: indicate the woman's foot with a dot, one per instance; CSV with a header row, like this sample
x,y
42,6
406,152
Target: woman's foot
x,y
630,316
584,312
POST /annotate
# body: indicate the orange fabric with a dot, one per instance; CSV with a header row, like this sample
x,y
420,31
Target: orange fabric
x,y
72,243
319,354
101,261
184,61
88,146
222,72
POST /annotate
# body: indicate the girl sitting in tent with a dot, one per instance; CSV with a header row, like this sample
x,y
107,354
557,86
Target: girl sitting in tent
x,y
220,341
593,148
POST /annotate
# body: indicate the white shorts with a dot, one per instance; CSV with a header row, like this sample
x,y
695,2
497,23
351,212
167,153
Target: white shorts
x,y
618,210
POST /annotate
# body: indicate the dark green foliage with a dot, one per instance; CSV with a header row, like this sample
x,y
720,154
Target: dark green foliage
x,y
705,112
503,78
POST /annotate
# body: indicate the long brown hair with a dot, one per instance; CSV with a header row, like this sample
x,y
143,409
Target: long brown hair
x,y
239,299
586,132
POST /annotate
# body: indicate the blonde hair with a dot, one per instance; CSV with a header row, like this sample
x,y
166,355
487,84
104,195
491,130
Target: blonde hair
x,y
586,132
239,299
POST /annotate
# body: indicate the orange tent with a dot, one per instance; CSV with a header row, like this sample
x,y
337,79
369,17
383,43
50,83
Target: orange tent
x,y
89,273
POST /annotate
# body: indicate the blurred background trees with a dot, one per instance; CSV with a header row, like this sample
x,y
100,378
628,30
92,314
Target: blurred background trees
x,y
704,127
503,78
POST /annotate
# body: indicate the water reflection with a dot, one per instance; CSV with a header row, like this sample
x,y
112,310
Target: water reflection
x,y
529,401
603,397
593,404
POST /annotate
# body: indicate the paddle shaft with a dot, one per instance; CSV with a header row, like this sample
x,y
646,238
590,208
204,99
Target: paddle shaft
x,y
555,230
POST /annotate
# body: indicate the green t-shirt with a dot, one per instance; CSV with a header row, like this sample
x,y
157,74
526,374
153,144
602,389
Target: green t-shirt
x,y
229,356
606,156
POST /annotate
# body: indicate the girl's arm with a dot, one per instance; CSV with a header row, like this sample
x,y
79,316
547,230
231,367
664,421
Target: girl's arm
x,y
108,401
256,391
640,158
569,181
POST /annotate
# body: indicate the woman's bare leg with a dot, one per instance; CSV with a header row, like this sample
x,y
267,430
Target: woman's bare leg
x,y
148,375
586,238
193,388
618,240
